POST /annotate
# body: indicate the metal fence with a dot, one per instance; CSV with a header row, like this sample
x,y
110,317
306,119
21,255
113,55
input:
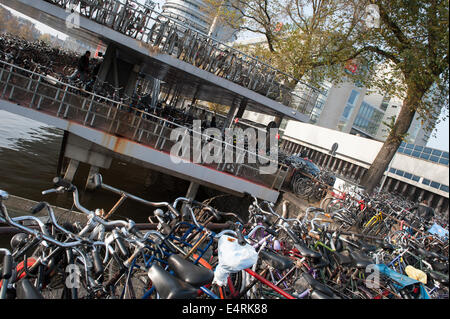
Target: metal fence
x,y
169,36
62,100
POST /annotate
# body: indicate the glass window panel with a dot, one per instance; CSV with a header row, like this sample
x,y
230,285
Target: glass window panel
x,y
425,156
408,151
427,150
444,188
434,159
445,155
392,170
416,178
437,153
400,173
443,161
411,146
435,185
418,148
426,182
353,96
401,149
416,153
408,175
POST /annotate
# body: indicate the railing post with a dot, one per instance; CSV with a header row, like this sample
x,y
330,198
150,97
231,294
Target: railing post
x,y
160,136
62,101
7,82
89,110
35,92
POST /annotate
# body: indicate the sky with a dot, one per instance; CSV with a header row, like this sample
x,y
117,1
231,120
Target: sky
x,y
439,139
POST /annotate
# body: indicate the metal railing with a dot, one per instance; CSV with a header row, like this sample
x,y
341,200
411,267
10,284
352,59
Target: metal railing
x,y
62,100
172,37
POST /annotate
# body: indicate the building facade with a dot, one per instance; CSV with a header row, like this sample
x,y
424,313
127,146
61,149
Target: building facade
x,y
192,13
349,108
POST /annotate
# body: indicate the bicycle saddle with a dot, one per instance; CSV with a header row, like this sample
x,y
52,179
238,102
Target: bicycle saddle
x,y
276,261
343,258
360,260
170,287
306,281
25,290
188,272
316,294
306,252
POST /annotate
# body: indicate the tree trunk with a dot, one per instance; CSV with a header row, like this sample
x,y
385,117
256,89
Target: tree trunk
x,y
376,171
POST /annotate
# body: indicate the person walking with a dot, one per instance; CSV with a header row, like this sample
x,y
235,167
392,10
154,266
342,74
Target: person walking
x,y
82,67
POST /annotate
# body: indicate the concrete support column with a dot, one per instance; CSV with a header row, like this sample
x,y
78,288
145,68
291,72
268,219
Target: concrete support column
x,y
335,163
109,57
90,179
323,160
350,170
345,169
439,204
71,170
396,187
387,184
446,210
420,197
411,192
430,198
354,171
191,194
339,166
403,191
361,174
242,107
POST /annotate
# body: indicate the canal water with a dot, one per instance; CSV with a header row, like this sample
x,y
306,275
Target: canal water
x,y
29,153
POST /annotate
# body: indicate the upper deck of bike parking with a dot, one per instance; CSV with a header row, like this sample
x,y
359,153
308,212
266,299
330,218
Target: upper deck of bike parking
x,y
117,128
170,52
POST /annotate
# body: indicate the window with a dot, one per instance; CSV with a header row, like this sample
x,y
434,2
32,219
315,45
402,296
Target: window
x,y
435,185
400,173
368,119
445,155
408,175
352,98
427,150
416,178
436,153
348,110
443,161
444,188
434,159
426,182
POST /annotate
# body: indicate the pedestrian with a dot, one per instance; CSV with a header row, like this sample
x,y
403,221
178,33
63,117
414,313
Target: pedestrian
x,y
82,67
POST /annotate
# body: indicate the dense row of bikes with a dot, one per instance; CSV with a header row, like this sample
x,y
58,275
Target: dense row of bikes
x,y
191,250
